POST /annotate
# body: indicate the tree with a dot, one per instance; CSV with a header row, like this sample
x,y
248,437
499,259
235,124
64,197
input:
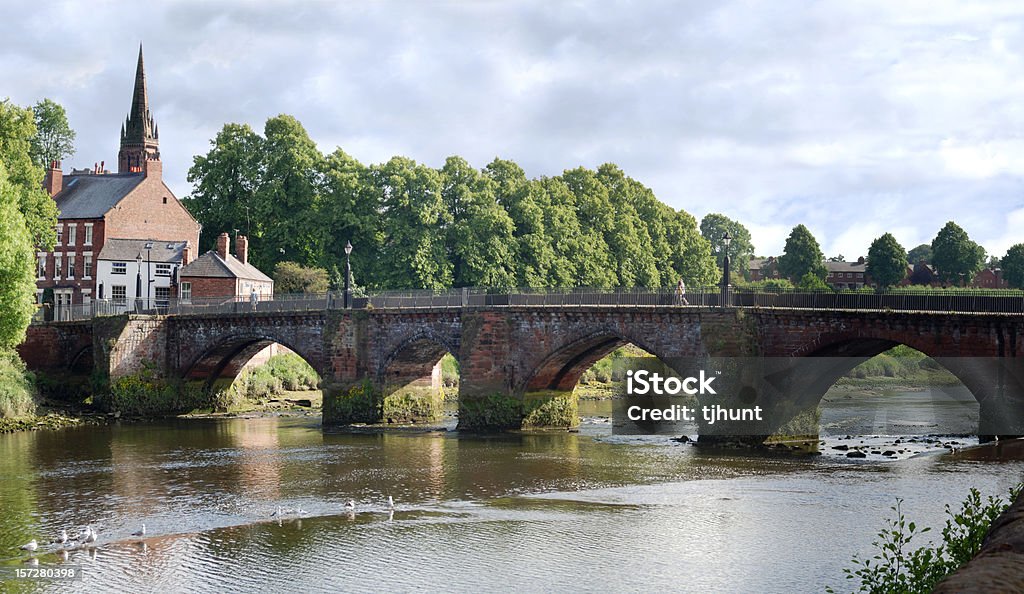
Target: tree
x,y
1013,266
17,277
839,258
54,139
714,226
39,210
955,256
225,185
922,253
887,261
802,256
479,236
412,253
291,277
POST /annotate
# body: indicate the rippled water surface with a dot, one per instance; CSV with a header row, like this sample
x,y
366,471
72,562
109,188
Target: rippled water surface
x,y
557,511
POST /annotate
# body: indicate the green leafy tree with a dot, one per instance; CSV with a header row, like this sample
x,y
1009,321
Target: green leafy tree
x,y
887,261
955,256
528,206
1013,266
54,139
802,256
291,277
17,128
286,202
480,232
741,249
17,278
838,258
922,253
347,210
226,181
412,252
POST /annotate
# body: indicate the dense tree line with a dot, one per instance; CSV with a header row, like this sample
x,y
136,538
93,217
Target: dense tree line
x,y
28,218
413,226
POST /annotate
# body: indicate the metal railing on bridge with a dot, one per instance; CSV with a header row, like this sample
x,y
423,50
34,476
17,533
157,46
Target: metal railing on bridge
x,y
926,300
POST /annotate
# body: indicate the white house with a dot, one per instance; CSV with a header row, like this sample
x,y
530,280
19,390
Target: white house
x,y
138,273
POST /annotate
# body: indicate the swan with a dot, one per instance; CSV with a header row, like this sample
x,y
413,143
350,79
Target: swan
x,y
140,532
30,546
350,504
62,538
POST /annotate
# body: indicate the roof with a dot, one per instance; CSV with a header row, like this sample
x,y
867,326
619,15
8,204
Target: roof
x,y
124,250
845,266
92,196
211,265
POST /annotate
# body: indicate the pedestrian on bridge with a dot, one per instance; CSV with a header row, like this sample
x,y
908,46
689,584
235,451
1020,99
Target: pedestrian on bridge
x,y
681,293
254,298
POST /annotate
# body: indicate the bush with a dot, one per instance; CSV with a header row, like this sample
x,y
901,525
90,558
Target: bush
x,y
17,392
143,394
291,277
897,568
281,373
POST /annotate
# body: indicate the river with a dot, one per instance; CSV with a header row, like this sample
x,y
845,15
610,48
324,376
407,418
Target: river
x,y
528,512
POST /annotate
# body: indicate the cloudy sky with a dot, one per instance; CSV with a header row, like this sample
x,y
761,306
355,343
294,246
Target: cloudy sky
x,y
854,118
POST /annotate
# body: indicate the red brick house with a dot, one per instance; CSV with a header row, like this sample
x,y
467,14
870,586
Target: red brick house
x,y
218,274
96,205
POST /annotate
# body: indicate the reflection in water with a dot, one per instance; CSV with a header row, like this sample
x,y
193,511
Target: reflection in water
x,y
564,510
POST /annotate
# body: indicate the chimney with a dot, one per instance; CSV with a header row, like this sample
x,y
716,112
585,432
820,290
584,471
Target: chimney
x,y
186,254
242,249
222,245
54,180
152,167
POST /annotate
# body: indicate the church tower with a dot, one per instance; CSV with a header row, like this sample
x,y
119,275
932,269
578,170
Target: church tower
x,y
140,138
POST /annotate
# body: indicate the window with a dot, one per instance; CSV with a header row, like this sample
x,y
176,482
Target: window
x,y
186,292
41,266
88,234
60,233
72,233
118,294
86,296
119,268
163,296
87,265
58,265
165,199
39,296
163,270
71,266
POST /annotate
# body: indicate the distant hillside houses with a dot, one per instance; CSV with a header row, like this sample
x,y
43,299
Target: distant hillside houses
x,y
854,275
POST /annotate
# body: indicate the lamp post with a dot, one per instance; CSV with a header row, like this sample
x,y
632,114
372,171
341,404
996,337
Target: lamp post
x,y
725,270
348,275
138,283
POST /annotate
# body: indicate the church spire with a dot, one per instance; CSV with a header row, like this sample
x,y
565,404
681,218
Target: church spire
x,y
138,139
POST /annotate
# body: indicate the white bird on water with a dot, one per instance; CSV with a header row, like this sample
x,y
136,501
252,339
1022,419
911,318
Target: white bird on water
x,y
140,532
391,502
90,535
350,504
30,546
62,538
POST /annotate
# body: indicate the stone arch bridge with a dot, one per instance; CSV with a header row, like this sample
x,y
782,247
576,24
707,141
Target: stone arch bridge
x,y
519,364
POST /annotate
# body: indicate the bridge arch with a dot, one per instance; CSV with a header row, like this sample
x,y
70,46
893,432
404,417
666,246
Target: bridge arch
x,y
409,378
561,369
225,358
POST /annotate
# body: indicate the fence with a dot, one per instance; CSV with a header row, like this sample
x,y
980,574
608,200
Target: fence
x,y
959,301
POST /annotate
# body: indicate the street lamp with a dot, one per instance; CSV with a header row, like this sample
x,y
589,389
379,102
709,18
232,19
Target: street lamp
x,y
725,269
348,275
138,283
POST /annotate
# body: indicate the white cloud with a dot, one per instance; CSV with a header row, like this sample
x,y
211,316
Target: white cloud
x,y
852,118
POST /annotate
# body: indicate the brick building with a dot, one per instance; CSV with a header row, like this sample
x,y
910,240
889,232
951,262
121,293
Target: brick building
x,y
218,274
96,206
